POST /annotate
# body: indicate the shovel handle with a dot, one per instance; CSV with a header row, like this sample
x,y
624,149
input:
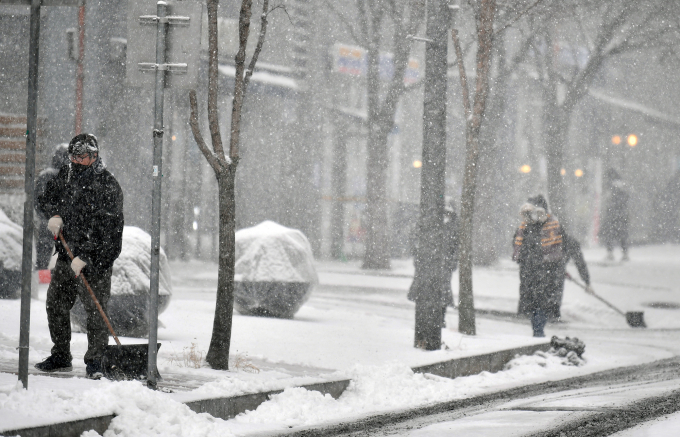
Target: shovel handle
x,y
94,298
568,276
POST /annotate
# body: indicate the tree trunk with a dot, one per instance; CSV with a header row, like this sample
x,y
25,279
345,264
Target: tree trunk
x,y
466,309
429,280
556,121
377,254
218,353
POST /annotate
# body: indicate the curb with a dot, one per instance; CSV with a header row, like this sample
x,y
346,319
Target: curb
x,y
229,407
64,429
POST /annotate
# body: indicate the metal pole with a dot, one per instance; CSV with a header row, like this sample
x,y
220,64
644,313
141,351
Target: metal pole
x,y
156,195
80,74
29,203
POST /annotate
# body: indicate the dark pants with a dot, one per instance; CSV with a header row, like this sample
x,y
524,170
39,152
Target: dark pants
x,y
61,296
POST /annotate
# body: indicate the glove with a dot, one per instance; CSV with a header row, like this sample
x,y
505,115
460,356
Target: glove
x,y
77,265
54,224
589,289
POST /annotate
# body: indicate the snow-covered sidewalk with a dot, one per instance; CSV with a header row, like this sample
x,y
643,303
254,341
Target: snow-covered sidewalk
x,y
356,325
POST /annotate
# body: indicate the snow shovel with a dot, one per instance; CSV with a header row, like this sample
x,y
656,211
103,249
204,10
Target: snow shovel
x,y
128,361
635,319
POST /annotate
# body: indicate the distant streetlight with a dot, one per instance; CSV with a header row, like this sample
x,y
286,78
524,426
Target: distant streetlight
x,y
563,172
525,168
632,140
616,140
417,164
578,173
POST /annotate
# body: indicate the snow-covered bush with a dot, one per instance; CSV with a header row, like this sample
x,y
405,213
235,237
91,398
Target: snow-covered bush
x,y
275,272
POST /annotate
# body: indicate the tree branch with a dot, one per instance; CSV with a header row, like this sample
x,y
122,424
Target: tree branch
x,y
462,74
260,43
357,39
214,161
213,118
520,15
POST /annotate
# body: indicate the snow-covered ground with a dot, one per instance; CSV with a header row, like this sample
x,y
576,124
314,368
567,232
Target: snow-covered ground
x,y
356,325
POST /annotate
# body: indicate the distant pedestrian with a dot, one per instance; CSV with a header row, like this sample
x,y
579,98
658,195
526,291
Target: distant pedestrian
x,y
538,250
44,238
614,229
85,203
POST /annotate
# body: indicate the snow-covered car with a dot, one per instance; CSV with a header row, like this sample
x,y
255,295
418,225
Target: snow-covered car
x,y
11,237
128,307
274,270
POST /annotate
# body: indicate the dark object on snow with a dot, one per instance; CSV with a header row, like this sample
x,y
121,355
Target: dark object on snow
x,y
126,361
270,299
635,319
570,344
275,272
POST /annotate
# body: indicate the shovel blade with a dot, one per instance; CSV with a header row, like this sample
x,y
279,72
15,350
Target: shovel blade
x,y
635,319
128,361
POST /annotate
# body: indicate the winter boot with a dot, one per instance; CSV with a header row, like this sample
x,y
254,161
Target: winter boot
x,y
94,369
54,364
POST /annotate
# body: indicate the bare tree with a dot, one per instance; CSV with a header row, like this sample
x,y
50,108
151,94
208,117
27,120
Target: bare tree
x,y
605,30
405,17
225,165
484,11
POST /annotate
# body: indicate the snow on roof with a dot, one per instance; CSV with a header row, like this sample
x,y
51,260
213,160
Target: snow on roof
x,y
633,106
270,252
262,77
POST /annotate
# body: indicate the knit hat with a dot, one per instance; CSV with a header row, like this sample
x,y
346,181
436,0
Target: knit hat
x,y
83,144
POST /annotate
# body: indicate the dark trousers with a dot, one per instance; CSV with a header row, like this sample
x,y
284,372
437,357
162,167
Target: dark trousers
x,y
61,296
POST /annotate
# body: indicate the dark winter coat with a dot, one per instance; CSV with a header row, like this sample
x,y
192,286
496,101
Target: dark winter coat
x,y
572,250
90,202
614,226
541,267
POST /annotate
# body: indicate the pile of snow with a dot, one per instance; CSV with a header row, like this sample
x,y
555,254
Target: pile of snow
x,y
270,252
132,269
130,284
275,272
11,238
